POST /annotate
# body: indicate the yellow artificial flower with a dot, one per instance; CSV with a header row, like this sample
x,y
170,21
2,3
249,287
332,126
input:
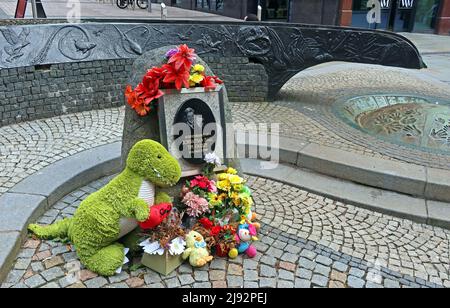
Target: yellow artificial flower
x,y
224,185
223,176
223,197
215,200
238,187
199,68
196,78
231,171
235,180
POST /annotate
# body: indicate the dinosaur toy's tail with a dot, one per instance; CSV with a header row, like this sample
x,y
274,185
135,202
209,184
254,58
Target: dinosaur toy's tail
x,y
59,229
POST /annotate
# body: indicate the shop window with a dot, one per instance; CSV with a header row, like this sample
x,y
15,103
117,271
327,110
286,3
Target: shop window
x,y
277,9
210,5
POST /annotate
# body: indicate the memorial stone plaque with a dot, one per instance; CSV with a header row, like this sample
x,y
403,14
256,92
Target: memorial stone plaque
x,y
192,124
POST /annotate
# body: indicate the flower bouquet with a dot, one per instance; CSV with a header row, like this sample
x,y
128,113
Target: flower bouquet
x,y
179,71
220,207
164,245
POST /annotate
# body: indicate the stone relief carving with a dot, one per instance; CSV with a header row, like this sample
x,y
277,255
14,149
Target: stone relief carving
x,y
15,43
284,49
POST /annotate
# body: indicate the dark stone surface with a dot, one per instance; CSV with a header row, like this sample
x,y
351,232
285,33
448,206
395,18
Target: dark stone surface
x,y
136,127
283,49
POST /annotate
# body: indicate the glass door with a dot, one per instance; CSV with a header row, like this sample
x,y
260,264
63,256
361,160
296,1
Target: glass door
x,y
426,16
275,10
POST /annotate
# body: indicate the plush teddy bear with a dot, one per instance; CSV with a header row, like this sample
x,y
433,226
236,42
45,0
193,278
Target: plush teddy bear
x,y
196,250
245,234
99,221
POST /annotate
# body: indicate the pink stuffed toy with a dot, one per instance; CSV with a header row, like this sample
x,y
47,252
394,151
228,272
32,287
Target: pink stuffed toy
x,y
245,234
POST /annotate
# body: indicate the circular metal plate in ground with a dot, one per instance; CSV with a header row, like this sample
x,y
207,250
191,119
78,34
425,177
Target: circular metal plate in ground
x,y
421,123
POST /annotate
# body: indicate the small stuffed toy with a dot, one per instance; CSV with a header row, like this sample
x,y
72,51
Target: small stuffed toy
x,y
244,236
196,250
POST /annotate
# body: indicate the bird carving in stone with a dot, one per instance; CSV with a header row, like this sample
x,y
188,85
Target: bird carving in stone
x,y
16,43
84,46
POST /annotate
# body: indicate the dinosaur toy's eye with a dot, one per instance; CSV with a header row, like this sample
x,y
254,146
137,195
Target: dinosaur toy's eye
x,y
159,156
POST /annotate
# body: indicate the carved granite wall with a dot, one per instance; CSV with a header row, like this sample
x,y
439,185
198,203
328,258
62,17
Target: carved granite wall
x,y
34,92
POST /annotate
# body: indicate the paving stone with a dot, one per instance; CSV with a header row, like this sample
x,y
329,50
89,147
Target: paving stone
x,y
391,284
304,273
157,285
22,264
324,260
235,281
356,272
14,276
338,276
202,285
319,280
218,264
251,275
251,285
289,257
267,271
135,282
234,269
217,275
152,278
283,284
322,270
267,283
119,285
268,260
303,283
285,275
288,266
55,261
52,273
306,263
219,284
96,283
341,267
173,283
355,282
336,285
201,276
250,264
35,281
186,279
51,285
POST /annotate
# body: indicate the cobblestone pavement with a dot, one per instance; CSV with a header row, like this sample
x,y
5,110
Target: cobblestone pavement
x,y
29,146
306,241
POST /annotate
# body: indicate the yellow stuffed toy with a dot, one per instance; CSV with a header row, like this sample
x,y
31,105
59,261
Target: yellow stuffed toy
x,y
196,250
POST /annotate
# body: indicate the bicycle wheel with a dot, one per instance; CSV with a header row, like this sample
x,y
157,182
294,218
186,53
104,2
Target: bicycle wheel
x,y
122,4
143,4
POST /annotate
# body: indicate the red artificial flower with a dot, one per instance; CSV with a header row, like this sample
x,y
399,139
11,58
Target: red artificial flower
x,y
206,223
208,83
217,80
130,95
149,90
179,77
203,183
183,58
141,108
215,230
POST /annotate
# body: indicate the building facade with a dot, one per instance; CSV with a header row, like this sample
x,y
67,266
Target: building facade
x,y
425,16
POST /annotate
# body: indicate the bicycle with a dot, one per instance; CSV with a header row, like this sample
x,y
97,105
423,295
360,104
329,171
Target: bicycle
x,y
123,4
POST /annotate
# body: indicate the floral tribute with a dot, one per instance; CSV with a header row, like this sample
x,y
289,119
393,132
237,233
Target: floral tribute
x,y
179,71
168,236
222,205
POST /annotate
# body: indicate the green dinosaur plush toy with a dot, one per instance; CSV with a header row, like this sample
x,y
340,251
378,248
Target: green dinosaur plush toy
x,y
96,225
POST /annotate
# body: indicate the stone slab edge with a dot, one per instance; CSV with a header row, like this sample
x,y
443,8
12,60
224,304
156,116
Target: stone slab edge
x,y
47,186
415,180
375,199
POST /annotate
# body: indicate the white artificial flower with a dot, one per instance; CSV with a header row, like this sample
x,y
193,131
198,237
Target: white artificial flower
x,y
177,246
213,159
152,248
